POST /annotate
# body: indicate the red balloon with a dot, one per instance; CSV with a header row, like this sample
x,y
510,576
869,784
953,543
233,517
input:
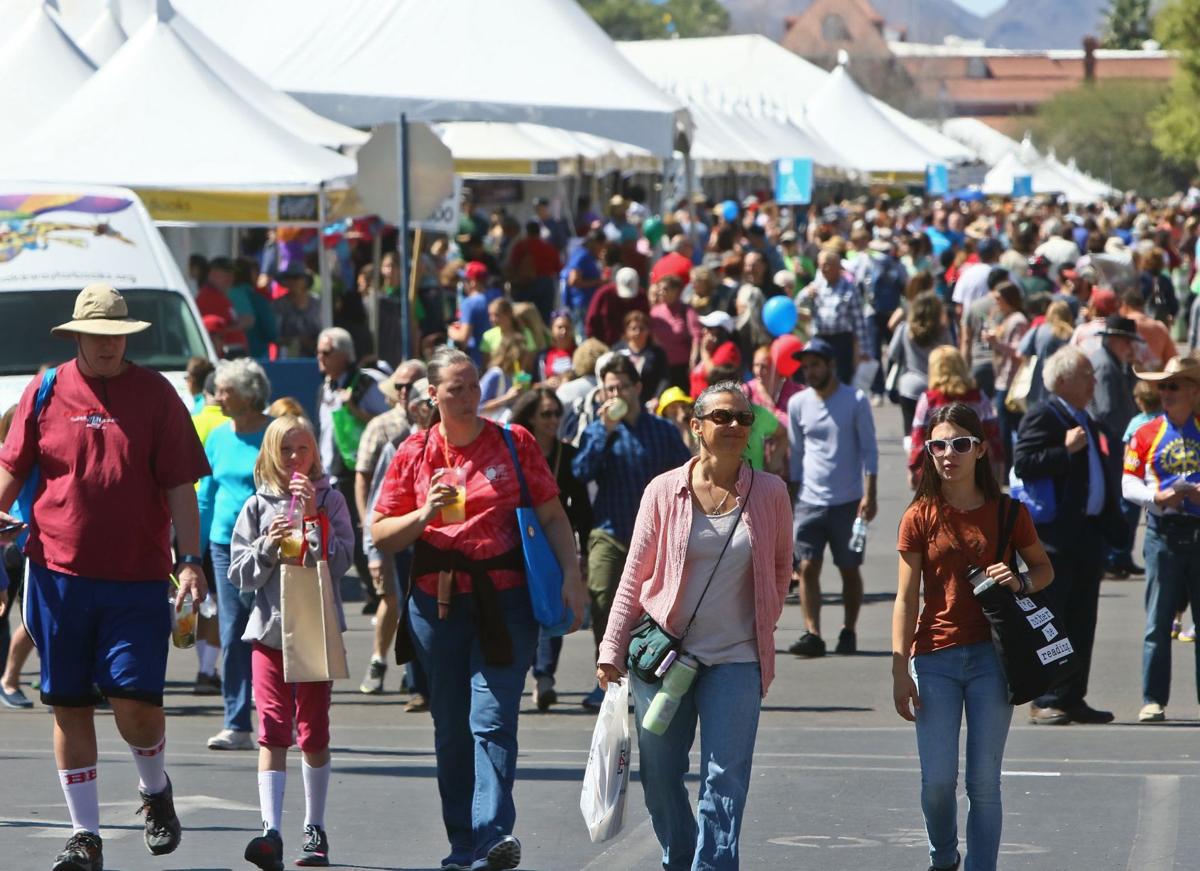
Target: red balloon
x,y
785,354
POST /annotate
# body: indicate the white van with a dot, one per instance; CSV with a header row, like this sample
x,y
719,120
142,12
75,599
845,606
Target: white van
x,y
54,240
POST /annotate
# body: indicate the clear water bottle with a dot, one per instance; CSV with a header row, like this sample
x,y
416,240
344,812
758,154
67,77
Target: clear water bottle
x,y
676,682
858,535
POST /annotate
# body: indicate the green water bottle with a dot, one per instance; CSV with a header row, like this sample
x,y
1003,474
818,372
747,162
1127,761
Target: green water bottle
x,y
676,682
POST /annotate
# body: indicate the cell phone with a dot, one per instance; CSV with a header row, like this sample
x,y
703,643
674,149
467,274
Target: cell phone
x,y
11,527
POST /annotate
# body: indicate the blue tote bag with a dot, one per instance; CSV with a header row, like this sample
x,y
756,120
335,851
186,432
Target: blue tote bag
x,y
543,575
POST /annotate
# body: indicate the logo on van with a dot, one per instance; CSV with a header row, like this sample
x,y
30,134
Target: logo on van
x,y
23,227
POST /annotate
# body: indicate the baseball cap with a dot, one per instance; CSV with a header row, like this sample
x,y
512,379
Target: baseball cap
x,y
475,271
820,347
1103,301
718,320
988,247
670,396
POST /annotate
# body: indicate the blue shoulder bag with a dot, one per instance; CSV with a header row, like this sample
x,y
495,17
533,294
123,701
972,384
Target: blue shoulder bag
x,y
543,575
23,510
1037,494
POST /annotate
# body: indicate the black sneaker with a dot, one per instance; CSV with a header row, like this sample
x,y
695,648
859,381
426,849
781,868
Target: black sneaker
x,y
315,852
163,831
266,851
84,852
372,684
847,642
504,855
808,646
954,867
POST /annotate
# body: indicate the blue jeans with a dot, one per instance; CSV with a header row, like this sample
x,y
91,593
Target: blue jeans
x,y
474,707
948,681
233,610
545,659
414,674
725,699
1172,566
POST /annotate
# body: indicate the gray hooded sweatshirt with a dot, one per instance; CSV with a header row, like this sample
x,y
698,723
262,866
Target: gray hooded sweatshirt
x,y
254,560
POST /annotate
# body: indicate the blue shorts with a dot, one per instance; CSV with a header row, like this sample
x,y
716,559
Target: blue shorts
x,y
819,525
91,633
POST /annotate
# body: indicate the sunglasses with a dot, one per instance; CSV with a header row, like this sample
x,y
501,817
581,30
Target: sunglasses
x,y
724,417
1169,386
960,445
549,415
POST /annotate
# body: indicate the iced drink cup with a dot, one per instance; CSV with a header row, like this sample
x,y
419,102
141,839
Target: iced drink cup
x,y
183,622
456,511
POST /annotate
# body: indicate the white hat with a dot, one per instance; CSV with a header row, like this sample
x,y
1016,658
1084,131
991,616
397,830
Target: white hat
x,y
627,282
718,320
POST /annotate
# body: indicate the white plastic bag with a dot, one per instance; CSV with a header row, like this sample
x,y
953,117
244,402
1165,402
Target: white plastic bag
x,y
607,777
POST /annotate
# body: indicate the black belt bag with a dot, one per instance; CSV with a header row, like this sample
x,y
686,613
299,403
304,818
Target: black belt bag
x,y
649,643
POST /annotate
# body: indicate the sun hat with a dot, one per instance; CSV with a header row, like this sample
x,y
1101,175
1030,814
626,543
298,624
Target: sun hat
x,y
718,320
670,396
1177,367
1125,328
100,311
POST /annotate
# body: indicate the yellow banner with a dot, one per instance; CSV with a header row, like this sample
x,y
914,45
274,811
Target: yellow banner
x,y
230,207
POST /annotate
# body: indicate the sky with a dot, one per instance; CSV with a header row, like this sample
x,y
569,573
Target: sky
x,y
981,7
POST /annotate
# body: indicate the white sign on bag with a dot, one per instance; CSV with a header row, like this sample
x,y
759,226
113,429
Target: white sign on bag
x,y
1049,631
1026,604
1039,618
1052,652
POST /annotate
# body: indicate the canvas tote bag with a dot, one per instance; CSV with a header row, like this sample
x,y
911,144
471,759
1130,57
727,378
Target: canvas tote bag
x,y
312,638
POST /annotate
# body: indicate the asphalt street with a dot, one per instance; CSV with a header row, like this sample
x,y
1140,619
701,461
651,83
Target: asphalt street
x,y
836,781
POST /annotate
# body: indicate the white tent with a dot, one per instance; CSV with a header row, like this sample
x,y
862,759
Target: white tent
x,y
1047,178
986,141
480,143
104,36
755,70
156,116
365,61
865,138
43,67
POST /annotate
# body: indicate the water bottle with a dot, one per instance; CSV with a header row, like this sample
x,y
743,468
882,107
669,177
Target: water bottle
x,y
858,535
676,682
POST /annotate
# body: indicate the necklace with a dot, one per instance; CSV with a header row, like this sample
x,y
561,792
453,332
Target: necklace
x,y
719,508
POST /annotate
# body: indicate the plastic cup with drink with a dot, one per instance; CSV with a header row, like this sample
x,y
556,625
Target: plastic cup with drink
x,y
293,542
456,477
183,619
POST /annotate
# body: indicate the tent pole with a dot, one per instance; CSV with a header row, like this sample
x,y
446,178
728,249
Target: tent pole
x,y
323,262
402,242
373,293
414,335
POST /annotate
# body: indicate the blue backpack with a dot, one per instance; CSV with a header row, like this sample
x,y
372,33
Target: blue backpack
x,y
23,510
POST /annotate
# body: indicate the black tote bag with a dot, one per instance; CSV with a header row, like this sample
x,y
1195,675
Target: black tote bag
x,y
1034,651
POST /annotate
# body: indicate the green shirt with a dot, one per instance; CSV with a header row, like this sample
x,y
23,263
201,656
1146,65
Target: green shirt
x,y
764,426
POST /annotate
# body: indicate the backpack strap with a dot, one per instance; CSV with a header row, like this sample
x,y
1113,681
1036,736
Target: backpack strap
x,y
1007,515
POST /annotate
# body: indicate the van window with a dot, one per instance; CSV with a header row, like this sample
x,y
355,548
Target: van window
x,y
28,315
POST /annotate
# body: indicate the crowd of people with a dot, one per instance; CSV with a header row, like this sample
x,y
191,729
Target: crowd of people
x,y
689,404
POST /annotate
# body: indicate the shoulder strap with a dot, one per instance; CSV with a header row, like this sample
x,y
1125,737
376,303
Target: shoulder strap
x,y
506,431
733,531
1007,515
44,390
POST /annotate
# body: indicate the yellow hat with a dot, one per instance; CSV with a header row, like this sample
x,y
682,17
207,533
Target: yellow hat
x,y
670,396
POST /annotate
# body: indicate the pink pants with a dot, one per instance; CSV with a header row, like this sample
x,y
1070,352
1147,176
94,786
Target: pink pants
x,y
279,703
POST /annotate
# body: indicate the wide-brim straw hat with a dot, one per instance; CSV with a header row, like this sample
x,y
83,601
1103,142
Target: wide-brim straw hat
x,y
100,311
1177,367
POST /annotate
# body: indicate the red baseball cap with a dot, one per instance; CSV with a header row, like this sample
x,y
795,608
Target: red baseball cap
x,y
1103,302
475,271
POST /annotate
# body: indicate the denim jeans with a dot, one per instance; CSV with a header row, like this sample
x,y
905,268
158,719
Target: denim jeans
x,y
474,707
545,659
414,674
233,610
725,699
949,680
1172,566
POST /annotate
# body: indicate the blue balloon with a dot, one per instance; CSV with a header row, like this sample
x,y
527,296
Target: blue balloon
x,y
729,210
779,315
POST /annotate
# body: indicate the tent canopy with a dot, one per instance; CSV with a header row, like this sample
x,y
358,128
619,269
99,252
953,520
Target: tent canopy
x,y
988,142
492,148
42,64
363,62
157,116
104,36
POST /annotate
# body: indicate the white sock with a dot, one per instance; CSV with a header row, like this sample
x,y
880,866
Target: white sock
x,y
207,655
316,787
151,765
83,799
270,797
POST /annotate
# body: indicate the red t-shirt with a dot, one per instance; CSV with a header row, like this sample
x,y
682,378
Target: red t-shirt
x,y
218,315
672,264
493,494
543,256
108,450
950,542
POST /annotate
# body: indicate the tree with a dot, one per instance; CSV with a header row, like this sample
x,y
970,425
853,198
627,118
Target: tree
x,y
645,19
1175,123
1126,24
1104,127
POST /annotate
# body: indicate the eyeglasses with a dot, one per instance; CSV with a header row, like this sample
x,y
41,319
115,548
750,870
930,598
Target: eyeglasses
x,y
1170,386
960,445
725,417
550,415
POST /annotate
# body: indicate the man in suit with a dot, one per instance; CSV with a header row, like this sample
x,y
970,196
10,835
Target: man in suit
x,y
1059,441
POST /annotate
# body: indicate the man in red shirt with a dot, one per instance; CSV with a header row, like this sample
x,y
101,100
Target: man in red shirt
x,y
224,325
678,262
533,267
118,459
606,314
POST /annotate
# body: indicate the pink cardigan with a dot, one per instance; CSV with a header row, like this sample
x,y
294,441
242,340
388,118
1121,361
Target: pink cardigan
x,y
654,568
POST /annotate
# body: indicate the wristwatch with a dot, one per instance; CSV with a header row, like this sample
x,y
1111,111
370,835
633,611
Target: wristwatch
x,y
189,559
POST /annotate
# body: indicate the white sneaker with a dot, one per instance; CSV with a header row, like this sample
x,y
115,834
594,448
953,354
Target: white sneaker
x,y
1152,713
231,739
